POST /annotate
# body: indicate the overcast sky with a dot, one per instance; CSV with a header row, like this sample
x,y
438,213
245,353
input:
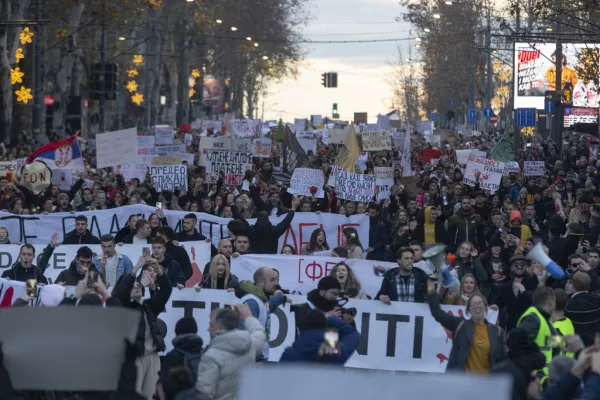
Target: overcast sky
x,y
363,68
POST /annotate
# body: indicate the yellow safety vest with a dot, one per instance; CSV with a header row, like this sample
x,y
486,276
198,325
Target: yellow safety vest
x,y
565,327
542,336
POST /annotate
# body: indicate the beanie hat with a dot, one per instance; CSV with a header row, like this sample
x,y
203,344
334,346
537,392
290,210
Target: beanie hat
x,y
52,295
519,343
329,282
186,325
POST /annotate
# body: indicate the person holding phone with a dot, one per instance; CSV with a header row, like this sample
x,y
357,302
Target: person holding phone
x,y
111,264
78,268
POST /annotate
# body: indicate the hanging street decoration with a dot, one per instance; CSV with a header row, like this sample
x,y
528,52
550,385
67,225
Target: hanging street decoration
x,y
132,86
138,59
23,95
19,55
137,99
16,76
26,36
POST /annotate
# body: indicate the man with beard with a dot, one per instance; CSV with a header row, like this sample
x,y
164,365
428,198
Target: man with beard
x,y
189,232
273,206
515,295
405,283
261,299
482,207
465,225
378,237
323,298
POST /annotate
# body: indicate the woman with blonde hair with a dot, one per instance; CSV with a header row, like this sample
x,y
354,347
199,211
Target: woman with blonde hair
x,y
219,275
467,262
348,281
468,288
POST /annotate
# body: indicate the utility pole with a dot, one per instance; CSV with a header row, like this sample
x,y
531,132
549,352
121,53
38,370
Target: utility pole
x,y
559,109
488,98
37,74
146,74
102,75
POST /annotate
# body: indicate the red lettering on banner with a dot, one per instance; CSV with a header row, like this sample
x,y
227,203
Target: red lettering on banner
x,y
442,358
300,243
300,228
340,230
313,270
42,177
294,243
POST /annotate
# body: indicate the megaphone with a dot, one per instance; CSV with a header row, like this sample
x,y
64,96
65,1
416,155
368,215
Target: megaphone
x,y
538,254
437,256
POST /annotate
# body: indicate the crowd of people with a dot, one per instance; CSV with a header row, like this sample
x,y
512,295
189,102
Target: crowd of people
x,y
547,331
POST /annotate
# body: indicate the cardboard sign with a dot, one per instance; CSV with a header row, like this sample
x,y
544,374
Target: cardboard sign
x,y
384,180
490,173
305,178
376,140
534,168
62,178
245,128
355,187
36,176
187,139
115,148
163,134
9,169
231,165
165,160
511,167
336,136
169,177
261,148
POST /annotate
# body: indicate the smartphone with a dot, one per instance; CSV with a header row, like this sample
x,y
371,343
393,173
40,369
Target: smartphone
x,y
597,341
92,278
31,287
332,337
146,251
557,341
159,206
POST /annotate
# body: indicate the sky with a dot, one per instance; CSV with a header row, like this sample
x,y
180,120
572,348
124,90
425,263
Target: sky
x,y
363,68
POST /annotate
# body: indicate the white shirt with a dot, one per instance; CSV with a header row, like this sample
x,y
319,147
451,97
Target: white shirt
x,y
110,270
139,241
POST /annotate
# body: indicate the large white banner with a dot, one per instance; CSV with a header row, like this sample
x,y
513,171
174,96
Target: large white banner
x,y
199,253
396,337
301,274
39,228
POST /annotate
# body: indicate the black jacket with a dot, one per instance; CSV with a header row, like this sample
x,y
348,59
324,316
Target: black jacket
x,y
264,236
184,237
265,206
71,276
463,338
583,309
511,306
151,308
183,259
378,239
123,233
189,343
74,237
172,270
388,285
19,273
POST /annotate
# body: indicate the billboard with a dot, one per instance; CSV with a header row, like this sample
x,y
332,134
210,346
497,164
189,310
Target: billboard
x,y
535,73
580,115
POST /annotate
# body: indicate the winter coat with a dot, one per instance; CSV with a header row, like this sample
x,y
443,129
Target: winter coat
x,y
232,282
583,309
74,237
182,344
264,236
388,285
520,369
378,239
172,270
463,227
179,254
474,267
71,276
184,237
306,346
463,337
129,239
228,353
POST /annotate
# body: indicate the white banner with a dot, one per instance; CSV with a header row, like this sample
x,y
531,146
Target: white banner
x,y
490,173
396,337
163,134
384,180
355,187
38,228
305,178
534,168
337,136
115,148
301,274
334,170
130,171
199,253
168,178
376,140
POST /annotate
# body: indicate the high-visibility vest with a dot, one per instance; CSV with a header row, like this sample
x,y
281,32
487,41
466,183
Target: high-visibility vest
x,y
565,327
541,339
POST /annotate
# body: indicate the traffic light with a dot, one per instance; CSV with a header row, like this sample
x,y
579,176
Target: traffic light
x,y
325,80
334,111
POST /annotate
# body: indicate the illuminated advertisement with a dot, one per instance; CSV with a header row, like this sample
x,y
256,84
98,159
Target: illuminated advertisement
x,y
580,115
536,73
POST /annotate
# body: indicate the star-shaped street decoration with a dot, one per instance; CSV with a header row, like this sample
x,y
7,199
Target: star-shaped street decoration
x,y
192,92
19,55
132,73
23,95
132,86
25,36
16,76
196,73
137,98
138,59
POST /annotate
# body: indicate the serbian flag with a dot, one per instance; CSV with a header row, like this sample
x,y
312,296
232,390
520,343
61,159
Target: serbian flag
x,y
63,154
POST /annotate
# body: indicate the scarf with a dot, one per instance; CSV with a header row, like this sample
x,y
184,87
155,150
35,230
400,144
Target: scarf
x,y
320,302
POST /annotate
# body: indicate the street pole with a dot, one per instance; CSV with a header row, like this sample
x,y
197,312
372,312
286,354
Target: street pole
x,y
489,66
146,74
102,75
37,74
517,134
559,109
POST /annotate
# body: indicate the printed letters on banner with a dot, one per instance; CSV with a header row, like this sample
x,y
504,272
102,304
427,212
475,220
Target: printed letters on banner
x,y
38,228
376,140
334,170
384,180
116,148
417,344
534,168
305,178
490,173
168,178
355,187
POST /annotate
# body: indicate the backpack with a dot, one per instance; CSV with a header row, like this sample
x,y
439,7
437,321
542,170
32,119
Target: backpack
x,y
191,361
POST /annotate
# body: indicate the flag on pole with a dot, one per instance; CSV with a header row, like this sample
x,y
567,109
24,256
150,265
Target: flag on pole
x,y
293,153
349,153
62,154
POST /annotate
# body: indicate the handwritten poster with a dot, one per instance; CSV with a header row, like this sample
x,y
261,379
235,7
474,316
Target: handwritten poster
x,y
168,178
355,187
376,140
490,173
305,178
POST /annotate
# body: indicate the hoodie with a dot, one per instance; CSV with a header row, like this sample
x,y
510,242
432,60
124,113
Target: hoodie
x,y
523,232
306,346
190,344
75,237
71,276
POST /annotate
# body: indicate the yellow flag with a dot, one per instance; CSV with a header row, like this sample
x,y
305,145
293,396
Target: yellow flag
x,y
350,152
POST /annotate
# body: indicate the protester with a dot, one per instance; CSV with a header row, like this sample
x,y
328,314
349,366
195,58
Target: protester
x,y
219,275
81,234
231,350
583,309
24,269
405,283
349,284
111,264
78,268
187,349
142,233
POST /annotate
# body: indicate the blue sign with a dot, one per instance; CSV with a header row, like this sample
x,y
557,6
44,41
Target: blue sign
x,y
434,116
526,117
549,105
471,115
488,112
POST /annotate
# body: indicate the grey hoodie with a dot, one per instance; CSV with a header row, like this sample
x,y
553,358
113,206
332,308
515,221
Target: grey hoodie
x,y
228,353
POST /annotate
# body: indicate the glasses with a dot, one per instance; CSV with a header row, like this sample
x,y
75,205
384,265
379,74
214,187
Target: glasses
x,y
520,265
477,304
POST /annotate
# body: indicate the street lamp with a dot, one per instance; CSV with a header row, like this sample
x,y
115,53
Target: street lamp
x,y
233,28
255,44
248,38
417,39
219,21
265,57
450,2
548,29
436,16
427,30
121,38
